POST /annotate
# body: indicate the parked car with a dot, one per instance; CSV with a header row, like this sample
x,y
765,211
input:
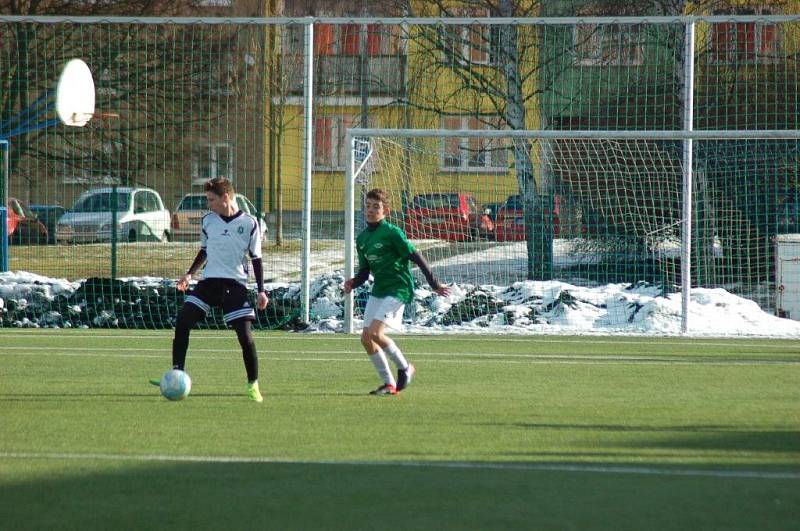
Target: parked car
x,y
49,216
191,209
510,222
141,216
23,226
448,216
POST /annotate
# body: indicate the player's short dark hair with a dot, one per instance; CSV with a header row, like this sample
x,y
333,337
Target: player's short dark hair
x,y
219,186
379,194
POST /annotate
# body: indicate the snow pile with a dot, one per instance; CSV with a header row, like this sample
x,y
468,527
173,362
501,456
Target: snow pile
x,y
524,307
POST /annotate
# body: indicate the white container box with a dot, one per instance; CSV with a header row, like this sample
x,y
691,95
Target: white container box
x,y
787,276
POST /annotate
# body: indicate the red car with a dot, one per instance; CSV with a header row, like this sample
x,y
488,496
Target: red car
x,y
509,225
23,225
450,216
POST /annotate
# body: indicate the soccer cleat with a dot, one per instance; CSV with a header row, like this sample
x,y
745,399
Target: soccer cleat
x,y
155,381
385,389
253,393
404,376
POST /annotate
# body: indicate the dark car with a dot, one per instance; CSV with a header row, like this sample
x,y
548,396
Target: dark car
x,y
48,215
23,226
450,216
509,225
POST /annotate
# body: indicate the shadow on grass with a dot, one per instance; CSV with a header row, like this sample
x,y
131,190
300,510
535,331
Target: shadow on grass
x,y
694,437
118,493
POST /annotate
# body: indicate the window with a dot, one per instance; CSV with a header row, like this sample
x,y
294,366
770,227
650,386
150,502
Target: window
x,y
607,44
151,202
140,202
16,208
101,202
210,161
745,42
330,146
470,44
345,39
213,3
473,153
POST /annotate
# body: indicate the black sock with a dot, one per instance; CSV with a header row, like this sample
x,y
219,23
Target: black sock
x,y
189,316
249,355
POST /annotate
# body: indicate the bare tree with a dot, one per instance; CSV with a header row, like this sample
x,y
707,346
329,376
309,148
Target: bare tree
x,y
163,81
496,92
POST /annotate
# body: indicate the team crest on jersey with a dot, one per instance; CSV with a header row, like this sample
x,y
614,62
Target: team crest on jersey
x,y
241,230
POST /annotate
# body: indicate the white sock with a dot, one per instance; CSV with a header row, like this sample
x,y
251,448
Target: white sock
x,y
382,366
396,355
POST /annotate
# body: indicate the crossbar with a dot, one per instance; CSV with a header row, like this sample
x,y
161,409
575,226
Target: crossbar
x,y
765,134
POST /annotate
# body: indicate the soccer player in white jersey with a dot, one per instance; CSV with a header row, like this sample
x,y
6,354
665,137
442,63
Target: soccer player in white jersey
x,y
229,238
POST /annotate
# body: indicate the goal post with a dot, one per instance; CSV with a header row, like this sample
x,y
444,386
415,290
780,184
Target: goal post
x,y
4,168
611,205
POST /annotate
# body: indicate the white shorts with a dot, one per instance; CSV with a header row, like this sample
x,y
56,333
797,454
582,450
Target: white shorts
x,y
389,310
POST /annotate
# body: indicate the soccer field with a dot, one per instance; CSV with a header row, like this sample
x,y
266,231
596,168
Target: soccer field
x,y
495,433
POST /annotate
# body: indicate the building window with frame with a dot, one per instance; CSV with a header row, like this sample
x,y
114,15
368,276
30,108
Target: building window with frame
x,y
212,160
745,42
330,143
470,44
473,153
607,44
345,40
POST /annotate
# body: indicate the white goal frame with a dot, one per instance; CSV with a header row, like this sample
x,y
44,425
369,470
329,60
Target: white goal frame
x,y
687,135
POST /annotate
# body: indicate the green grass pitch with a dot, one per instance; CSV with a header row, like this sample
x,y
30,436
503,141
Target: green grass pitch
x,y
496,433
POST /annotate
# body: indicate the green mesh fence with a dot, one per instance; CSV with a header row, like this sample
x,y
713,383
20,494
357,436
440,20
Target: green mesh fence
x,y
179,103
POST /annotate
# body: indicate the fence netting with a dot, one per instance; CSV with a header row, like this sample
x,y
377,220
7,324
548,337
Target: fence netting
x,y
106,214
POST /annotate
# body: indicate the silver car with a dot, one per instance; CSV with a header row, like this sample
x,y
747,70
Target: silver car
x,y
191,209
141,216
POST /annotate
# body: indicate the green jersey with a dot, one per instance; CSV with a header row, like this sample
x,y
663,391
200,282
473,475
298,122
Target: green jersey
x,y
385,251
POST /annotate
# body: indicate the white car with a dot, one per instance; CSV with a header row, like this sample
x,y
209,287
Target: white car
x,y
191,209
141,216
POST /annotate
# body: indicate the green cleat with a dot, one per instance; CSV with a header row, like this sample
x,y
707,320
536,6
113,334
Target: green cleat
x,y
253,393
155,381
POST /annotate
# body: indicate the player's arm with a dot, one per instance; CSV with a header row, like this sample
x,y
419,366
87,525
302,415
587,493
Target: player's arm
x,y
352,283
254,248
258,272
199,260
418,259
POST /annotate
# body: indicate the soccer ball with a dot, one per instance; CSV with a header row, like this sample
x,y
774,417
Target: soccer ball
x,y
175,385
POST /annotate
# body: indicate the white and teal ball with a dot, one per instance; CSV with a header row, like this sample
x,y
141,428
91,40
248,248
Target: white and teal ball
x,y
175,385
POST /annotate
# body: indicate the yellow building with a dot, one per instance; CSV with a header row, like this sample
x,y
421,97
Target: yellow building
x,y
427,77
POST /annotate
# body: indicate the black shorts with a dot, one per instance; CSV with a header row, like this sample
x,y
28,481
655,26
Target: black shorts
x,y
224,293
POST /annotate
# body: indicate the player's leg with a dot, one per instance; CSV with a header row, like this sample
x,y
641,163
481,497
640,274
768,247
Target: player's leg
x,y
405,370
189,316
376,355
249,356
191,313
391,316
238,312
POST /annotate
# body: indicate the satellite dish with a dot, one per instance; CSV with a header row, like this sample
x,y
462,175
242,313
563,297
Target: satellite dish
x,y
75,94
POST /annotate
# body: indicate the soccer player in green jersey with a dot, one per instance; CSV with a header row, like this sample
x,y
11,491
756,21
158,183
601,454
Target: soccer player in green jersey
x,y
384,251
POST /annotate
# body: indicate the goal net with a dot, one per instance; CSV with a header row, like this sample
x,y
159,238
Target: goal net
x,y
493,213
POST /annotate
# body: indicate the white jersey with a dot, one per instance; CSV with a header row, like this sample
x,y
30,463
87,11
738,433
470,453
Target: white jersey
x,y
230,245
